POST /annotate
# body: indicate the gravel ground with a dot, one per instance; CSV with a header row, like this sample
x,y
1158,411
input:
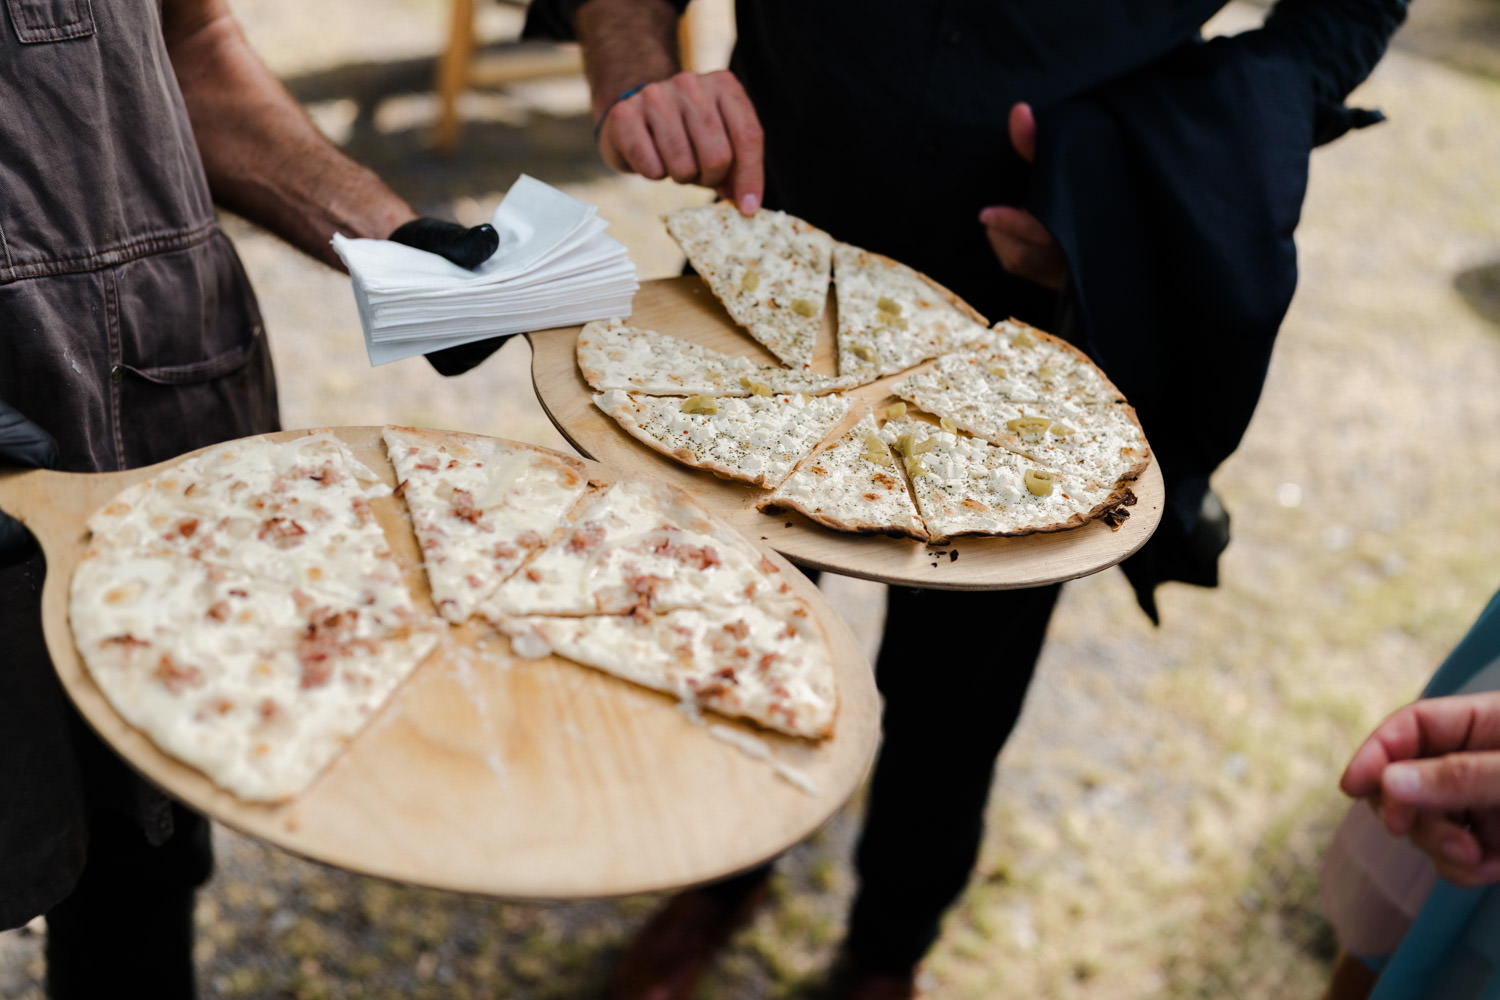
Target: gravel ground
x,y
1158,816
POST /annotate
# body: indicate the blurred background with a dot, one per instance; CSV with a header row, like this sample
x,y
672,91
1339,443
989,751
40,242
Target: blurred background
x,y
1159,815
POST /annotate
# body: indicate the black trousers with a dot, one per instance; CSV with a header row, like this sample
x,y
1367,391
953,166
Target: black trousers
x,y
126,929
953,670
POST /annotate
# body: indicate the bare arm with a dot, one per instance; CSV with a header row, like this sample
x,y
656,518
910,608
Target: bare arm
x,y
695,128
264,158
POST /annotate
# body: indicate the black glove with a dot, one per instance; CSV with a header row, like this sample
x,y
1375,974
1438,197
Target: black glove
x,y
466,247
21,443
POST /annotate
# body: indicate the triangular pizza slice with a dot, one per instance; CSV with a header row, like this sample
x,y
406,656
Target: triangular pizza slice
x,y
774,670
891,317
615,355
758,439
770,270
479,507
852,484
966,486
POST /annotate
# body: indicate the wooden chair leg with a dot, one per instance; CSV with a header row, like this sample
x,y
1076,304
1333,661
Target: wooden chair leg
x,y
453,75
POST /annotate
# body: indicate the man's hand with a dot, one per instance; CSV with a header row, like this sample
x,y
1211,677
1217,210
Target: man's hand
x,y
467,247
1022,243
696,129
21,443
1432,773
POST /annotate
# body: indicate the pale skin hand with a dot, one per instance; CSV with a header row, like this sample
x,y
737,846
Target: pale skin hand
x,y
1431,771
264,158
694,128
1023,245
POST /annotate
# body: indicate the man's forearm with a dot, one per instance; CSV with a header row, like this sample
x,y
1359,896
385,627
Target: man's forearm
x,y
263,156
626,43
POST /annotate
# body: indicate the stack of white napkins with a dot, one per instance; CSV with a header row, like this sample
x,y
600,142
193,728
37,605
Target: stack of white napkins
x,y
554,267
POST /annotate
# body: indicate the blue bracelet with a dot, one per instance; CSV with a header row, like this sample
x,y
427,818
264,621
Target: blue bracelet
x,y
623,96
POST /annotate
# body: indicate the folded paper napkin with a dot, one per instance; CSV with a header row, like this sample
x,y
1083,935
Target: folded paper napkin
x,y
554,267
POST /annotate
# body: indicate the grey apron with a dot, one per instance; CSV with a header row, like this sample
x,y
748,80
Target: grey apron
x,y
129,331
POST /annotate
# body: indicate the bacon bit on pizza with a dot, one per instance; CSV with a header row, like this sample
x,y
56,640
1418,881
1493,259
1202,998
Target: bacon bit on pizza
x,y
767,565
818,470
281,532
463,506
972,504
320,515
473,581
237,592
751,588
269,710
504,550
125,640
328,475
872,496
191,489
787,632
767,661
645,587
738,629
882,479
328,633
174,677
533,575
799,612
183,529
219,612
220,706
529,539
586,537
694,556
427,466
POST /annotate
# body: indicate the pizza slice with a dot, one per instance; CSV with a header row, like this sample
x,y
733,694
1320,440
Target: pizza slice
x,y
964,486
256,683
1073,421
640,547
891,317
773,669
770,270
758,439
479,507
852,484
614,355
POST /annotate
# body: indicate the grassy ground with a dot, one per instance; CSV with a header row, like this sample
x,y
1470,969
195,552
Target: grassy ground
x,y
1158,818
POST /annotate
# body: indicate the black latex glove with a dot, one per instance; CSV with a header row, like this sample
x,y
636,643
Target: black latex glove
x,y
467,247
21,443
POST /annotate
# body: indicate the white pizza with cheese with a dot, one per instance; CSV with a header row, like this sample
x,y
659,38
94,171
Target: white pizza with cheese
x,y
244,611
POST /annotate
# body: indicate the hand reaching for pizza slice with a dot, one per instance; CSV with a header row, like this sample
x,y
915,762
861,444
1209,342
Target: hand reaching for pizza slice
x,y
695,128
1432,773
1023,245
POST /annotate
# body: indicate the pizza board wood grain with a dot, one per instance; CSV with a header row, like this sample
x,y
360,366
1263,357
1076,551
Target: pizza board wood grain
x,y
685,308
487,773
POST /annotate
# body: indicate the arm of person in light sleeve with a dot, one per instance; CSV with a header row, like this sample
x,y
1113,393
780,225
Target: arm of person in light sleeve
x,y
655,120
1431,771
263,156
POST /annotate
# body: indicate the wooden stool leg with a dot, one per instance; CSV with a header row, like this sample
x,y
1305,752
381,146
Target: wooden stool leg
x,y
453,75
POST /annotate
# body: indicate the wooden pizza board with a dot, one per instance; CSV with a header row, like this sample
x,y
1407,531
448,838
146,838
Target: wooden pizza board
x,y
685,308
487,773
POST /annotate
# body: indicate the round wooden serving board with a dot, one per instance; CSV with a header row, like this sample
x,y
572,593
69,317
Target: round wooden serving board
x,y
487,773
685,308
